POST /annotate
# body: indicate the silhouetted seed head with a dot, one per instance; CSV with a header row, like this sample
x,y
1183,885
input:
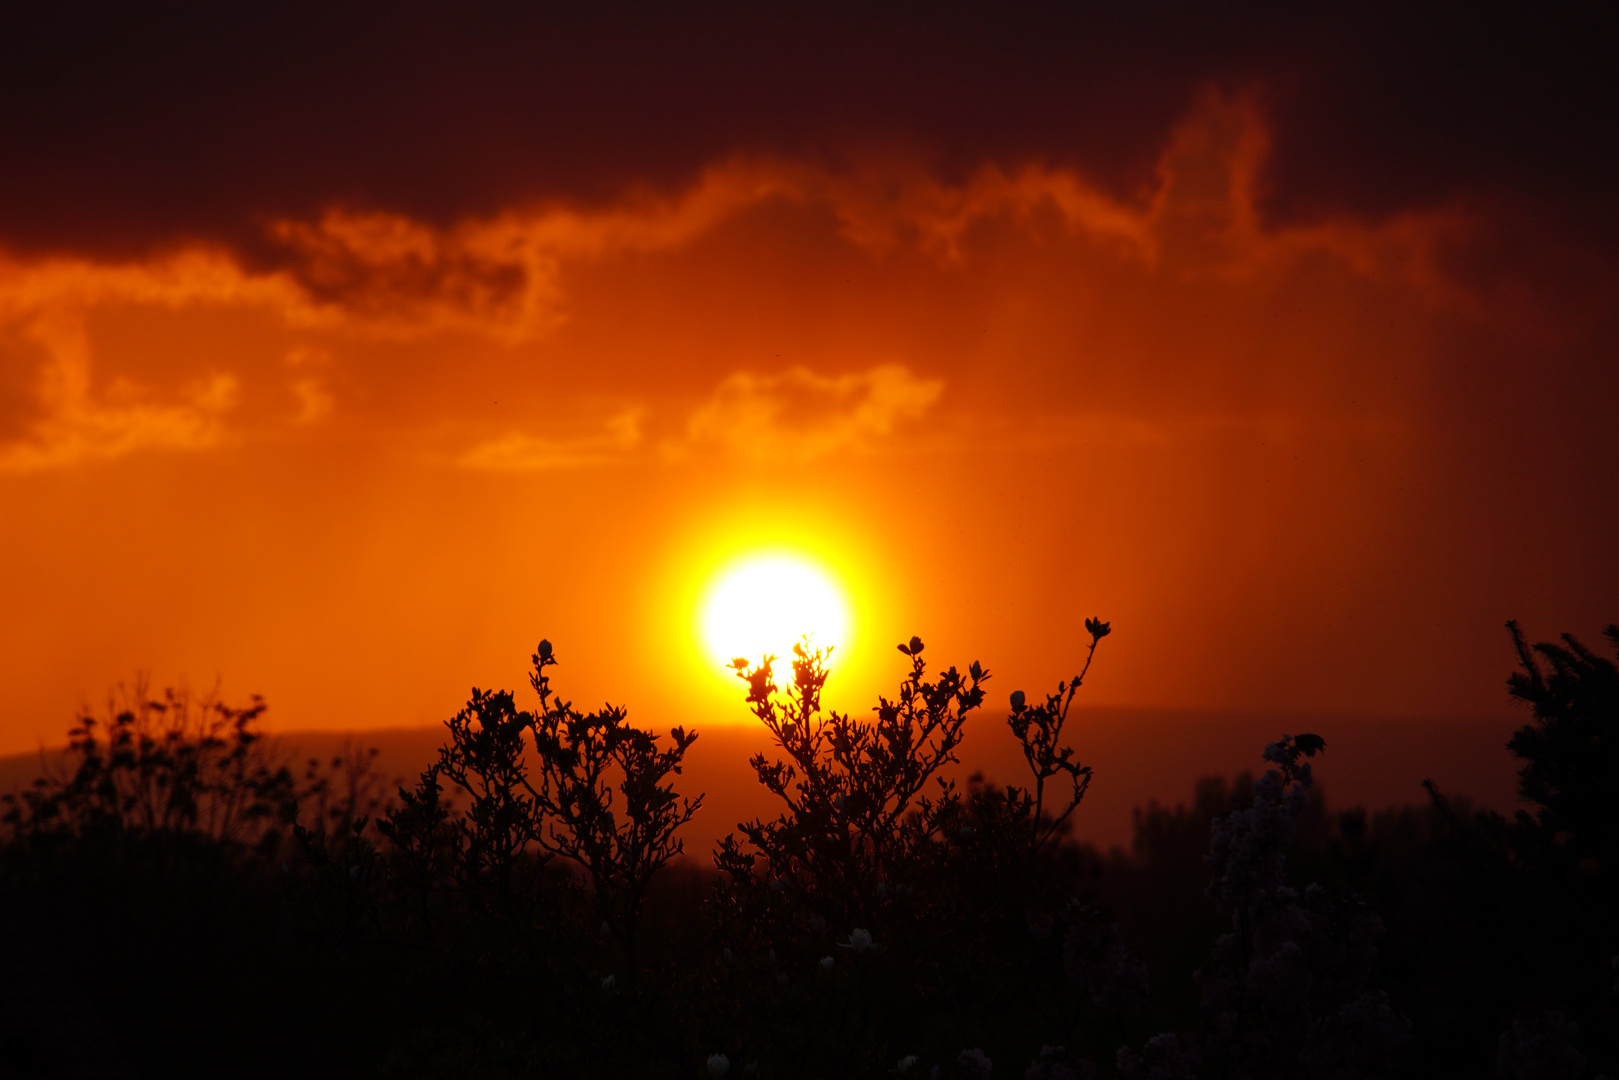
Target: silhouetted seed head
x,y
1017,700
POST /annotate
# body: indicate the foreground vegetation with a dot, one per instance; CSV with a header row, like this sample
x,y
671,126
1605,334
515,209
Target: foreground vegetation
x,y
526,909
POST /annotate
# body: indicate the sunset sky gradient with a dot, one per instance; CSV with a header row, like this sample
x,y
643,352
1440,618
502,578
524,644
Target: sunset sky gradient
x,y
346,352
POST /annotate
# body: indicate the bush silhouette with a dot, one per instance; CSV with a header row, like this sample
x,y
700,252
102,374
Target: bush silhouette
x,y
179,765
145,871
885,911
525,908
1571,751
1543,888
587,790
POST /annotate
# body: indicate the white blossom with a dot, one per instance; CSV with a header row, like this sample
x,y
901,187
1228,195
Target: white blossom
x,y
976,1064
718,1065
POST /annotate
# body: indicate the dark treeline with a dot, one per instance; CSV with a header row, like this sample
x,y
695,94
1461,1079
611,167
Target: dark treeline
x,y
179,903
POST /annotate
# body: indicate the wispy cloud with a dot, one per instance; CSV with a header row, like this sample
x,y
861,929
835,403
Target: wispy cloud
x,y
799,415
519,452
82,424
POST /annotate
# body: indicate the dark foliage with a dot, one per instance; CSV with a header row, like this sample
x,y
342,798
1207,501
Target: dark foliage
x,y
885,914
1571,751
525,909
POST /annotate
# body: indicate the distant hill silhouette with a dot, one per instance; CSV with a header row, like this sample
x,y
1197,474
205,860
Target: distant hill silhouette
x,y
1139,755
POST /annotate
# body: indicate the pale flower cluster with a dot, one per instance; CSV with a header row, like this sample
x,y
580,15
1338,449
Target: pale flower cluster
x,y
1285,990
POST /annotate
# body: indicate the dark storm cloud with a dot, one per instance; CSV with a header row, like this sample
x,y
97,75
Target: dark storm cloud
x,y
133,124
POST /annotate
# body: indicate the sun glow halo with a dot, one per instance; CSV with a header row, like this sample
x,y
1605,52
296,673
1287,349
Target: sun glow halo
x,y
764,604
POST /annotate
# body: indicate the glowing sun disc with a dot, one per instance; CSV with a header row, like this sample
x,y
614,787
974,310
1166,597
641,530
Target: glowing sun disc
x,y
765,604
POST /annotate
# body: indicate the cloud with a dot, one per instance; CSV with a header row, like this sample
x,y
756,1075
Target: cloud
x,y
385,274
504,275
795,416
799,415
77,413
81,424
1383,108
1200,216
356,279
519,452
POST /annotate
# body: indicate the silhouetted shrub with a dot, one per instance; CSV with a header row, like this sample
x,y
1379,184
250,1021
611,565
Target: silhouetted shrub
x,y
145,870
526,855
1541,889
1284,993
524,909
1571,751
179,765
884,913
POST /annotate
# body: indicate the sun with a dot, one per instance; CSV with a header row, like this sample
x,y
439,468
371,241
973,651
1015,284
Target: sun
x,y
765,603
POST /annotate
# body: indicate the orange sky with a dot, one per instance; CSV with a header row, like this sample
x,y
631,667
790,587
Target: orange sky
x,y
1305,461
